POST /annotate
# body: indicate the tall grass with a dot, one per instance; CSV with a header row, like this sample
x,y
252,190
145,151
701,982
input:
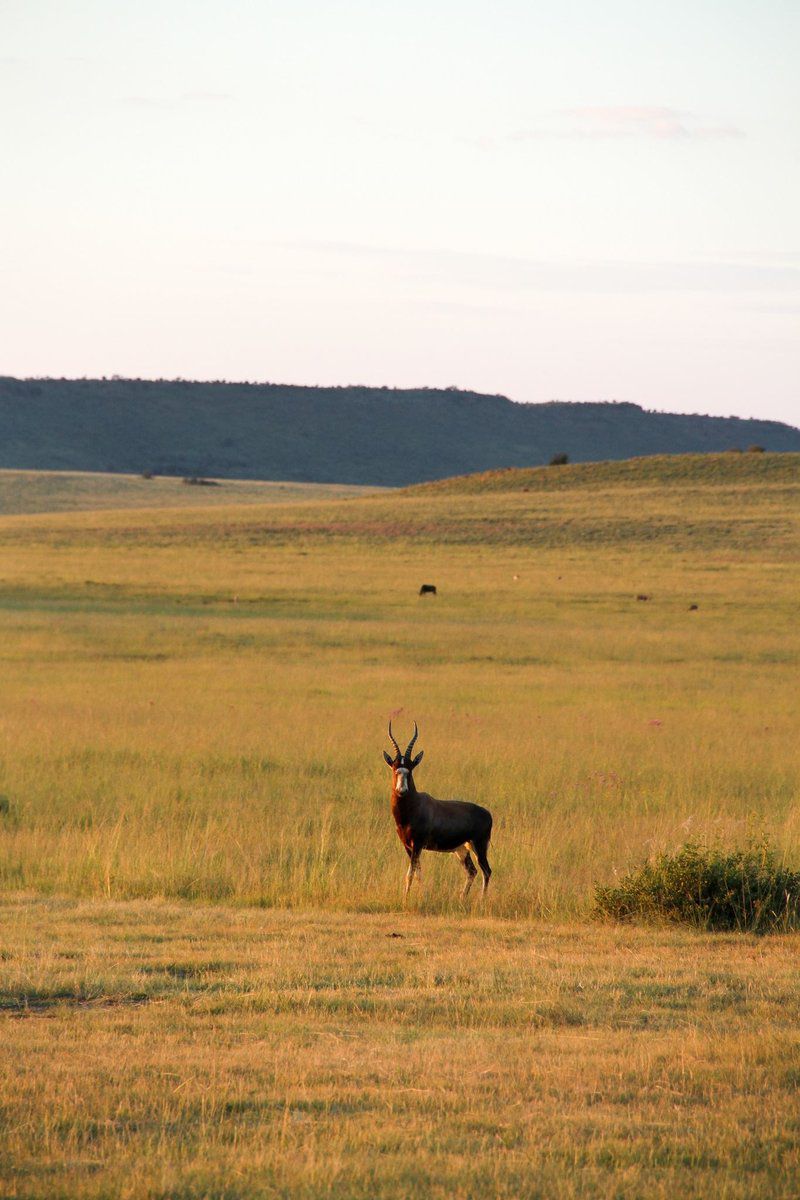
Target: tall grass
x,y
193,704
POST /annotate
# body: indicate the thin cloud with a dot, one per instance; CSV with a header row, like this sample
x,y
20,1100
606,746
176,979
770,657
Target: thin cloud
x,y
507,274
780,310
790,258
600,122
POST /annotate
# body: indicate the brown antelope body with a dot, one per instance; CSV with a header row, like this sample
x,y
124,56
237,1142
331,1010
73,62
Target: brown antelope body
x,y
425,823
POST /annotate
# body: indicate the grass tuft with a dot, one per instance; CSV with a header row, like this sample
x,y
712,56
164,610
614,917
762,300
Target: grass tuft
x,y
744,889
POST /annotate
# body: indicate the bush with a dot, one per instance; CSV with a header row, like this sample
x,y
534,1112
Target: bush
x,y
755,450
710,888
559,460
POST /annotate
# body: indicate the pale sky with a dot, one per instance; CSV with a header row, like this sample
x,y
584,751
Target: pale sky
x,y
570,199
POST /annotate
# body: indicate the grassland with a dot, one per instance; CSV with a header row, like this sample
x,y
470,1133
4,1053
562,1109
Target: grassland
x,y
658,470
76,491
162,1051
193,709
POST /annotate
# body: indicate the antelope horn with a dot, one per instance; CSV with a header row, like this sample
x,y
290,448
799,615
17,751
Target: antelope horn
x,y
411,743
394,743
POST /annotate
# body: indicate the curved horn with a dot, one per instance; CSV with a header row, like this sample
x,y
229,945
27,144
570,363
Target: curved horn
x,y
411,743
394,743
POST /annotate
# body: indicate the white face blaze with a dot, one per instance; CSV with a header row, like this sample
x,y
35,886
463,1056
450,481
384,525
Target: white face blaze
x,y
401,780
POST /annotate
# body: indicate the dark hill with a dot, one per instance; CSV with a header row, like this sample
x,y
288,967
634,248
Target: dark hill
x,y
332,435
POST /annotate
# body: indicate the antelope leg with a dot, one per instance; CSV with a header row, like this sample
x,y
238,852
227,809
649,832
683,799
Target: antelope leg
x,y
413,869
464,857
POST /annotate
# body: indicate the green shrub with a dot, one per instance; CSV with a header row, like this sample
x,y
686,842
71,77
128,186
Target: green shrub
x,y
559,460
708,887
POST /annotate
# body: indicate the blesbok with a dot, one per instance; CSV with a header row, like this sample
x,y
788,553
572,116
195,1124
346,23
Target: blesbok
x,y
424,823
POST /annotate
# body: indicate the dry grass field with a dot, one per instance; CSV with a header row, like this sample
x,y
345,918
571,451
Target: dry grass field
x,y
75,491
165,1051
200,988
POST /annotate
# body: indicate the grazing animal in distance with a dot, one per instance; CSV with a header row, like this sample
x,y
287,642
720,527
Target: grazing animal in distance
x,y
693,607
424,823
642,596
428,589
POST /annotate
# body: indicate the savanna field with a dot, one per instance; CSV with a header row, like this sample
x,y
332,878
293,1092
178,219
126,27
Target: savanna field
x,y
209,985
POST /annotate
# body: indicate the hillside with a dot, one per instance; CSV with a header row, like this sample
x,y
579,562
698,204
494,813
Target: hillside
x,y
663,470
354,435
728,503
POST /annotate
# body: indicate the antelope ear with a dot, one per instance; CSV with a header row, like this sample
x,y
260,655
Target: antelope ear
x,y
388,759
417,760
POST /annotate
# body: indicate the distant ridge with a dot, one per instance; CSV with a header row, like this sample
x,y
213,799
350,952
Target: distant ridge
x,y
354,435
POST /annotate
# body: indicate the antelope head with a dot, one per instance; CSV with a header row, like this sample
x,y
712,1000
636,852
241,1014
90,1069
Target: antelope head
x,y
402,764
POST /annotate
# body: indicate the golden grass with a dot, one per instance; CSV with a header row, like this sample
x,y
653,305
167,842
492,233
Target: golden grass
x,y
196,700
193,707
161,1051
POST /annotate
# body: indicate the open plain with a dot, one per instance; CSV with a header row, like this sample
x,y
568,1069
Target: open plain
x,y
208,983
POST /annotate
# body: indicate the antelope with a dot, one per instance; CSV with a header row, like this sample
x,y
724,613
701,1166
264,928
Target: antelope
x,y
424,823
